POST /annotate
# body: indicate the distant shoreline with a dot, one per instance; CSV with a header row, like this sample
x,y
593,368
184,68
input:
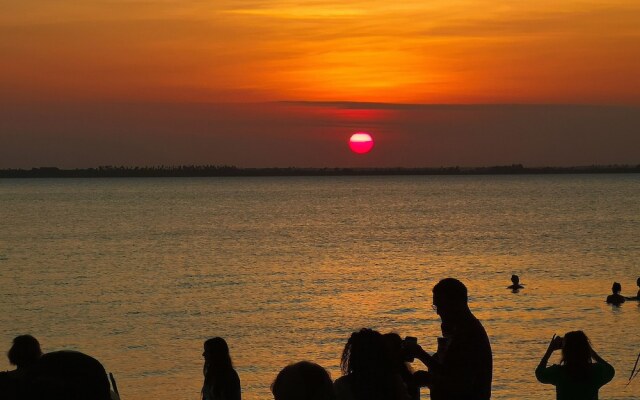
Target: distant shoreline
x,y
232,171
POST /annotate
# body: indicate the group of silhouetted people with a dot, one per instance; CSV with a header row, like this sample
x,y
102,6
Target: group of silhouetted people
x,y
374,366
59,375
614,298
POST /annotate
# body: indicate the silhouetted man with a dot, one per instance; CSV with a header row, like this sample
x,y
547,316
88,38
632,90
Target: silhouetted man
x,y
464,371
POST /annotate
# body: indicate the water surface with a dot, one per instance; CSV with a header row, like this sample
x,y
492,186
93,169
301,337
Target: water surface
x,y
139,272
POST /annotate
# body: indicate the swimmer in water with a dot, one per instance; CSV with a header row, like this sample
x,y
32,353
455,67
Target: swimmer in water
x,y
616,298
638,295
515,279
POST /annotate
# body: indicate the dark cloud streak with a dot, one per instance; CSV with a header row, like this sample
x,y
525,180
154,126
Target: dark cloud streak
x,y
314,134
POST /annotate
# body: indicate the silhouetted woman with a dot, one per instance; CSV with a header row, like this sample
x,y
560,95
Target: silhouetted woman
x,y
221,382
368,371
615,298
581,372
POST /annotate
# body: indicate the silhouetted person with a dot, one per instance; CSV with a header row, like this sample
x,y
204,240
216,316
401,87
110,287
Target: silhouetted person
x,y
615,298
399,358
303,380
638,295
465,371
24,353
581,372
67,375
221,381
516,286
368,372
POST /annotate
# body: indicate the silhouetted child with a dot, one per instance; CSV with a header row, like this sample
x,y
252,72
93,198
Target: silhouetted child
x,y
24,353
221,381
616,298
581,372
303,380
515,279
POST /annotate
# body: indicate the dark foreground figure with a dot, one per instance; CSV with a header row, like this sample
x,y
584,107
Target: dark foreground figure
x,y
464,370
67,375
581,372
303,380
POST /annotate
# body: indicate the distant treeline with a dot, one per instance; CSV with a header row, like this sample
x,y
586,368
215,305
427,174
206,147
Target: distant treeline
x,y
225,170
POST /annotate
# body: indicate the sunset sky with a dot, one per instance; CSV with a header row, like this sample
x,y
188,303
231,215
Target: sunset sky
x,y
285,83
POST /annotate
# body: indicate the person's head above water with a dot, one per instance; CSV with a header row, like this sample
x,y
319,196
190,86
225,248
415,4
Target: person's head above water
x,y
616,288
515,279
450,299
25,351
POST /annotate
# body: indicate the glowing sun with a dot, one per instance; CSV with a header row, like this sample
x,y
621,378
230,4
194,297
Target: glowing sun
x,y
361,143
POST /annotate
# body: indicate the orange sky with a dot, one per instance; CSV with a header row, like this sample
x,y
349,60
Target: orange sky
x,y
442,51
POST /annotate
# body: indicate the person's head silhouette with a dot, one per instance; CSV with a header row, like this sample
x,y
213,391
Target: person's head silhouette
x,y
365,351
576,354
450,300
303,380
216,353
616,288
368,369
24,352
515,279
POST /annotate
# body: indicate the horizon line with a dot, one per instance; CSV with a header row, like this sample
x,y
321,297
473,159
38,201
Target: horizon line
x,y
185,171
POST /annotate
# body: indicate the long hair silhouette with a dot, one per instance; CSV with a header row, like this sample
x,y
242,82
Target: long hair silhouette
x,y
217,368
366,361
576,355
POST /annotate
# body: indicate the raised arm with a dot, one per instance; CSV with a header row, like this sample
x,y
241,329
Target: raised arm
x,y
542,373
606,372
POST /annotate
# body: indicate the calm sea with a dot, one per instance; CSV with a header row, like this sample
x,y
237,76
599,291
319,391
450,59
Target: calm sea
x,y
139,272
